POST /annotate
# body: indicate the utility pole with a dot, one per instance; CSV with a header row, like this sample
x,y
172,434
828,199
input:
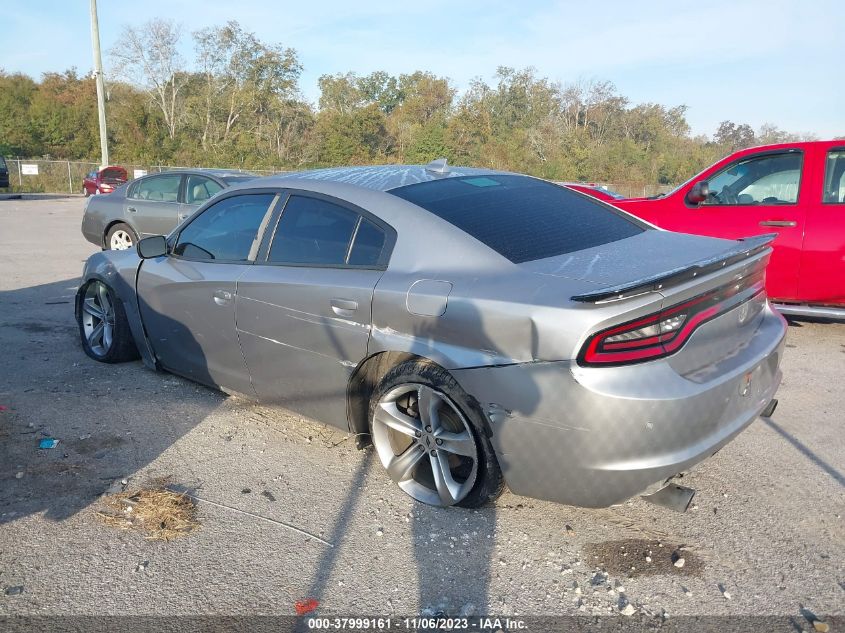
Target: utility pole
x,y
101,90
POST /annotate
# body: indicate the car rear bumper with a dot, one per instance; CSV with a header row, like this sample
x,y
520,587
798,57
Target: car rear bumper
x,y
596,436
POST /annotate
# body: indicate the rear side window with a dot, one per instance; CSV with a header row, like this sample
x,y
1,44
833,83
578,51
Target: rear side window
x,y
521,218
368,245
226,231
834,177
2,163
158,188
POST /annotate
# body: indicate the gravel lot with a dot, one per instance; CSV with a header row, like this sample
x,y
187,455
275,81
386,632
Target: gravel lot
x,y
766,536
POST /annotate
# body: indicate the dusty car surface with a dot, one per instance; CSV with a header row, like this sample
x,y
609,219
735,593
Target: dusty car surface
x,y
151,205
479,327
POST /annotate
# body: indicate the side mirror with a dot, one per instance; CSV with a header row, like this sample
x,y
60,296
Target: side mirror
x,y
699,192
150,247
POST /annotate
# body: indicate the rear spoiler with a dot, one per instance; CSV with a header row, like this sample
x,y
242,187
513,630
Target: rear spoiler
x,y
743,248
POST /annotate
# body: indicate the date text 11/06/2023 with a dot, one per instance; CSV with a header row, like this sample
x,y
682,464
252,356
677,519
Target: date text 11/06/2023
x,y
416,624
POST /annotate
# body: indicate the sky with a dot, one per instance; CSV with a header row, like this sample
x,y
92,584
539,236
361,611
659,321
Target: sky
x,y
750,61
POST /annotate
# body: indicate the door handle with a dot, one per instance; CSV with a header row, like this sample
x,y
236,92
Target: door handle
x,y
344,307
132,210
222,297
181,216
778,223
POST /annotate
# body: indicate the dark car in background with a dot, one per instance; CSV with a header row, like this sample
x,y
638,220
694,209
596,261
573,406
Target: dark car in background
x,y
104,181
152,205
4,173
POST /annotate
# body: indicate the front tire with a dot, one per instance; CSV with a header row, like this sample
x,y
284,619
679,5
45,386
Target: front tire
x,y
121,237
103,326
430,438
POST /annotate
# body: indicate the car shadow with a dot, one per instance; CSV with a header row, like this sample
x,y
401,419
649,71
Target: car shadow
x,y
805,451
453,548
114,420
110,420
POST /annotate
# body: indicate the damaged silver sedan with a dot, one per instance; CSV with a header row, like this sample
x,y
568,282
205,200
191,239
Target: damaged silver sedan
x,y
479,328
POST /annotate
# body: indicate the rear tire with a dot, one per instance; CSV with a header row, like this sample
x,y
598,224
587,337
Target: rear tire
x,y
120,237
103,326
431,438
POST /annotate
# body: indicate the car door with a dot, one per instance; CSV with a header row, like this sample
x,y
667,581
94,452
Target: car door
x,y
152,204
303,310
187,298
196,191
823,257
760,193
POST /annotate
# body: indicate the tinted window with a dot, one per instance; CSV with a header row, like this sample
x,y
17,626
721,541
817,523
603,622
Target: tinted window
x,y
771,179
2,163
198,189
521,218
834,177
158,188
313,231
226,230
368,245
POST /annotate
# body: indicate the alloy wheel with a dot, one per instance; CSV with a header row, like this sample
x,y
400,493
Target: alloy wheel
x,y
98,318
425,444
120,240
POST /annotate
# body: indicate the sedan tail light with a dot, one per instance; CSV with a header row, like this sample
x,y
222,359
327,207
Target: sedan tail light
x,y
664,332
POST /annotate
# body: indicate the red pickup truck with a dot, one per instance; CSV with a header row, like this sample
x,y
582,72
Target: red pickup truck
x,y
796,190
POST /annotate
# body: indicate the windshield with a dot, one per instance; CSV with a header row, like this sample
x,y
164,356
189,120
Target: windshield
x,y
521,218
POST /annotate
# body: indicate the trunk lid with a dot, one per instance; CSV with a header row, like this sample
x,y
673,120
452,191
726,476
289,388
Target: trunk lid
x,y
657,272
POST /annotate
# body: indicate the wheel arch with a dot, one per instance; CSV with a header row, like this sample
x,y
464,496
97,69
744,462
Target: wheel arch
x,y
111,225
121,279
366,378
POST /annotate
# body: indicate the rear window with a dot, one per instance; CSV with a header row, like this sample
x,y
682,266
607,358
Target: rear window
x,y
521,218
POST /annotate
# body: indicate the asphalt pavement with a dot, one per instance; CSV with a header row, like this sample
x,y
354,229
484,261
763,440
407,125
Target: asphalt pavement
x,y
765,536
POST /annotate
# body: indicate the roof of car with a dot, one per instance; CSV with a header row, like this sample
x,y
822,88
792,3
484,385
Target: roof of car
x,y
384,177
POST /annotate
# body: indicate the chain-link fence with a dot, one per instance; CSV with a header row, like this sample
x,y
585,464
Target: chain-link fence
x,y
29,175
63,176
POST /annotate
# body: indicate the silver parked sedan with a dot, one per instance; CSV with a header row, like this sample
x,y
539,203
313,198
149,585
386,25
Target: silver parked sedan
x,y
478,327
152,205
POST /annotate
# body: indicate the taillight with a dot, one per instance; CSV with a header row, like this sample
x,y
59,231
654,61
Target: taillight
x,y
664,332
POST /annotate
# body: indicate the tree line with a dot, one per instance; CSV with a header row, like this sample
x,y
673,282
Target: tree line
x,y
238,104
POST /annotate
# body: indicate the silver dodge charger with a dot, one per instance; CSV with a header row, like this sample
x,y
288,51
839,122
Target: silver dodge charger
x,y
479,328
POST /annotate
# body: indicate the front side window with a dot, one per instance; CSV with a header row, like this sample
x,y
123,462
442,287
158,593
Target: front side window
x,y
313,231
834,177
768,180
198,189
226,231
163,188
